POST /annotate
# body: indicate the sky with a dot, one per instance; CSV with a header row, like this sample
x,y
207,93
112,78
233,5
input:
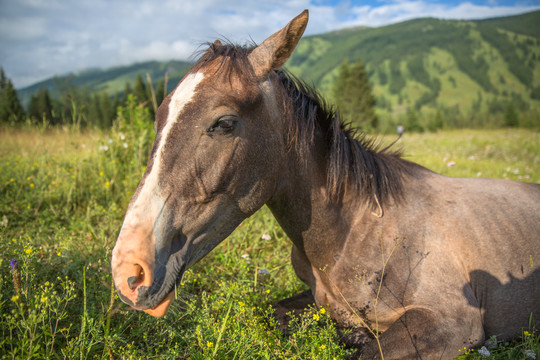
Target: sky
x,y
43,38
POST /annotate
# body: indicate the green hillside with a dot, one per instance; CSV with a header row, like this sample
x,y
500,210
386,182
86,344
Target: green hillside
x,y
423,64
431,63
112,80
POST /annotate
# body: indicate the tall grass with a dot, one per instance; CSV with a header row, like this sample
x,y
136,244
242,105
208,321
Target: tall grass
x,y
64,193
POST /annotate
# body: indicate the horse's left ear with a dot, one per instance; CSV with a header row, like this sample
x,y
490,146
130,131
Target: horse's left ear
x,y
274,51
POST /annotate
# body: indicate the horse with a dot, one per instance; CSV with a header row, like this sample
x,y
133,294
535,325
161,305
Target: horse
x,y
413,263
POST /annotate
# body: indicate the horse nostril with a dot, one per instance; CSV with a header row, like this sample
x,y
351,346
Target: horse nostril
x,y
134,281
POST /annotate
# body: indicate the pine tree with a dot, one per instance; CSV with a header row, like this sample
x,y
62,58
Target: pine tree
x,y
44,107
160,91
107,110
127,91
139,90
11,110
353,96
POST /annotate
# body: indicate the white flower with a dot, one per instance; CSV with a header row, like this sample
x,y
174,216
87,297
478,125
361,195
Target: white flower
x,y
125,146
265,236
451,163
103,148
530,353
110,141
484,351
245,256
122,137
263,271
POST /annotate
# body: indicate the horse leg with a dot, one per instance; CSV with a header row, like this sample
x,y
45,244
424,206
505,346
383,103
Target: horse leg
x,y
297,304
286,309
423,334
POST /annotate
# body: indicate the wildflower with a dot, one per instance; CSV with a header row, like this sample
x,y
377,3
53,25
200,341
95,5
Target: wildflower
x,y
241,303
44,299
268,291
316,317
209,344
451,163
27,250
110,141
265,236
59,253
526,333
122,136
263,271
15,298
245,256
322,311
491,343
107,184
101,173
530,353
125,145
32,186
484,351
322,347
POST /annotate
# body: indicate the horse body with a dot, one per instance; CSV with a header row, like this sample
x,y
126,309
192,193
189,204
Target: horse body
x,y
457,252
426,263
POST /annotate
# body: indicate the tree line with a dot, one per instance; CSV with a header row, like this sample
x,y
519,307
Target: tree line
x,y
74,105
351,93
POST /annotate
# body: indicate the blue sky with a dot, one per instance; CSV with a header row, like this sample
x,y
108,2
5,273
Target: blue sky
x,y
43,38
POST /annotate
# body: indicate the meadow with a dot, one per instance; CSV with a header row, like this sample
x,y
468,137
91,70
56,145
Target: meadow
x,y
63,195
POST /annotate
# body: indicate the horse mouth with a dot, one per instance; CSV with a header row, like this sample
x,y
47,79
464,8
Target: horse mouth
x,y
161,309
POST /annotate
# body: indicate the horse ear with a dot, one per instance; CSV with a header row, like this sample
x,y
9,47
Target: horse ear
x,y
274,51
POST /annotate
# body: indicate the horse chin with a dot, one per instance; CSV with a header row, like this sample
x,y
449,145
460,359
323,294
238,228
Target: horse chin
x,y
161,309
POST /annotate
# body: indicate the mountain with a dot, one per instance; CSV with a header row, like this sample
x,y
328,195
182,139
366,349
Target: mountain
x,y
111,80
426,63
423,64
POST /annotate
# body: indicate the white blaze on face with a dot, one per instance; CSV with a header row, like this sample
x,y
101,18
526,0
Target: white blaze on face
x,y
136,239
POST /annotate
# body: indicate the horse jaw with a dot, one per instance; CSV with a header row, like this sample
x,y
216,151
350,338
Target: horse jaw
x,y
162,308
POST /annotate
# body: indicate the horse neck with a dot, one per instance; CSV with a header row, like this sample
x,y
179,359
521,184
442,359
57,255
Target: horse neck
x,y
302,203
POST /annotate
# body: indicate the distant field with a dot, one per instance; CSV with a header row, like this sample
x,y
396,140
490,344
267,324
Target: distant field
x,y
63,195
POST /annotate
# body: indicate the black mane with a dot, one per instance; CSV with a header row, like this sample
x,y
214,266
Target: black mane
x,y
355,161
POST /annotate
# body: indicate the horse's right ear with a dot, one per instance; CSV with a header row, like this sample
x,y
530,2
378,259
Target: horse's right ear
x,y
274,51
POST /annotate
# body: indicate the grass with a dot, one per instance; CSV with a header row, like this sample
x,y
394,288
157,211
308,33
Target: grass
x,y
64,194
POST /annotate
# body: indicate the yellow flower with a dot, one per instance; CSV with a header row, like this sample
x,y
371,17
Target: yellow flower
x,y
107,184
322,347
59,253
15,298
241,303
209,344
32,186
526,333
101,173
316,317
27,250
43,299
323,311
268,291
47,283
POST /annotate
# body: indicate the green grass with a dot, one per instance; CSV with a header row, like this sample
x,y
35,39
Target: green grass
x,y
64,194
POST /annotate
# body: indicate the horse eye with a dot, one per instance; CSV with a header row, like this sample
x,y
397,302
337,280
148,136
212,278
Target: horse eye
x,y
223,125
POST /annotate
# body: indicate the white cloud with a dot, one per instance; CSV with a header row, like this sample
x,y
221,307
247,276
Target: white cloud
x,y
41,38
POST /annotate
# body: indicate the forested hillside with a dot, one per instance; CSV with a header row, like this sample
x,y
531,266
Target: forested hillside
x,y
429,64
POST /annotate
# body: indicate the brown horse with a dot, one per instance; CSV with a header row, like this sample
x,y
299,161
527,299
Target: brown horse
x,y
415,263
